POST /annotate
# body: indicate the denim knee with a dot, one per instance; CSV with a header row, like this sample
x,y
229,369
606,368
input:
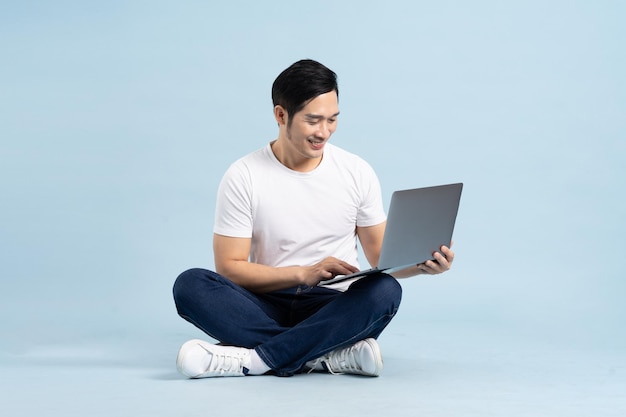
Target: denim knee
x,y
185,286
382,290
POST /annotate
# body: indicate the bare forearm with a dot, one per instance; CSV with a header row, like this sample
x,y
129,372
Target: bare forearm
x,y
441,263
231,260
261,278
407,272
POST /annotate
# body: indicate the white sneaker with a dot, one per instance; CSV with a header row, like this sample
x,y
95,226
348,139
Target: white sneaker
x,y
362,358
200,359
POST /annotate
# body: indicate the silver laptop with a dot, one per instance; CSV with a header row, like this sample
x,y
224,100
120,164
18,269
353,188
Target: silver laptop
x,y
419,222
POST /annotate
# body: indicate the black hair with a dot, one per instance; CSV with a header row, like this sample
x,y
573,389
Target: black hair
x,y
300,83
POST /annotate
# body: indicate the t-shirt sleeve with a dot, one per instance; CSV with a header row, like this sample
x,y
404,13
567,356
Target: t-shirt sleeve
x,y
233,210
371,211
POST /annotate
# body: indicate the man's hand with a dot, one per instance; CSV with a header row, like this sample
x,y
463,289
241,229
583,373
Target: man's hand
x,y
326,269
442,263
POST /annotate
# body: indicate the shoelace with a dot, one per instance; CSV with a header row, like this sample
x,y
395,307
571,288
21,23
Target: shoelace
x,y
222,364
342,361
313,364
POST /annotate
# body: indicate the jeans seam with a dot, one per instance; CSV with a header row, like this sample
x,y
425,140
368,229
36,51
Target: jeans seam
x,y
357,338
190,320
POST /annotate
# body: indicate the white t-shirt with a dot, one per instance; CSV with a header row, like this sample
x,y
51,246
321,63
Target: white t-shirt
x,y
299,218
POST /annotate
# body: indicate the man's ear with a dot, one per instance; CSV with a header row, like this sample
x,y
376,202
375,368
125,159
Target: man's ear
x,y
280,114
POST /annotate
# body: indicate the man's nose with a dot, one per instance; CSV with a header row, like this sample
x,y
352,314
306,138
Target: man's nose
x,y
324,130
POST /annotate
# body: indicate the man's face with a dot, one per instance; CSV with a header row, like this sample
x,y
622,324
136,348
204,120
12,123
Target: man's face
x,y
311,127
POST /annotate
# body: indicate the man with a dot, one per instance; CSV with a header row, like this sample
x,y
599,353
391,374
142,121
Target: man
x,y
287,219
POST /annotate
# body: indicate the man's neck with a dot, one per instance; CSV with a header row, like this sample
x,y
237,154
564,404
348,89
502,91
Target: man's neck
x,y
292,160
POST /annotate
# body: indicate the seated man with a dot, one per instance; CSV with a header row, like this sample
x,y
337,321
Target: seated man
x,y
287,219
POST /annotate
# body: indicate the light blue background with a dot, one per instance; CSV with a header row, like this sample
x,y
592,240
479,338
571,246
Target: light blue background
x,y
117,120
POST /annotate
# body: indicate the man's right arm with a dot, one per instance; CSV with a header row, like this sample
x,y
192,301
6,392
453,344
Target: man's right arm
x,y
231,260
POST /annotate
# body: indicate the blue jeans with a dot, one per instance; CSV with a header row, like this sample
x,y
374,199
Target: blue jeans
x,y
287,328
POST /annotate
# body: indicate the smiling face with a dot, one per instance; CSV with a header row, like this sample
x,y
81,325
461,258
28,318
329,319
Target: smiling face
x,y
302,137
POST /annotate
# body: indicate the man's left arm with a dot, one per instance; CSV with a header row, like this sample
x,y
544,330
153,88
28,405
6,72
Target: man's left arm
x,y
442,262
371,239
